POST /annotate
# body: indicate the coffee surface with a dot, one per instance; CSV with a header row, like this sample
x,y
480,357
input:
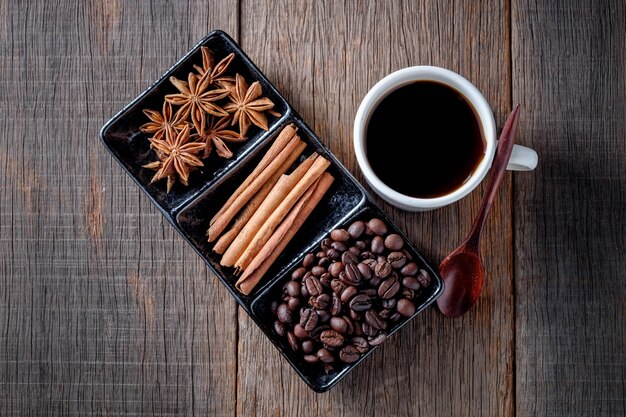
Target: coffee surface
x,y
424,140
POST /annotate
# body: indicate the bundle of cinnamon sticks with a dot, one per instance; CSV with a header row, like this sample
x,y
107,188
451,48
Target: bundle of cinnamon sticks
x,y
265,212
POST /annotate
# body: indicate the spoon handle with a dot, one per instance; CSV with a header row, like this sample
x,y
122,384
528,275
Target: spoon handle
x,y
498,168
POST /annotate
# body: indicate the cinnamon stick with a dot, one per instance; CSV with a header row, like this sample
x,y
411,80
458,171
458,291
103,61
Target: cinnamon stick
x,y
276,196
265,232
283,235
284,137
255,185
246,213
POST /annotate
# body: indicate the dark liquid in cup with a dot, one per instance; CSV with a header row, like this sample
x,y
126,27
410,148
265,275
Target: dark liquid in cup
x,y
424,140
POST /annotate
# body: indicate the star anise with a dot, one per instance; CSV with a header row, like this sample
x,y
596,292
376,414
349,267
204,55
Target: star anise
x,y
246,105
196,99
216,135
160,122
216,72
177,155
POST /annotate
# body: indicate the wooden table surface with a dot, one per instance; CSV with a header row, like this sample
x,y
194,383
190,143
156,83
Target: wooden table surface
x,y
105,310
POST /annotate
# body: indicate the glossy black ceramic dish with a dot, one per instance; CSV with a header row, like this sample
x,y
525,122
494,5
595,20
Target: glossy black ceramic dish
x,y
190,208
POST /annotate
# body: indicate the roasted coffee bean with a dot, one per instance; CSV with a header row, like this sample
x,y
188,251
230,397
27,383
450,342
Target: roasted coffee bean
x,y
338,324
323,263
394,242
309,260
293,341
389,303
377,340
335,268
378,245
349,258
313,285
374,320
279,328
348,293
359,244
317,271
395,317
408,255
360,344
310,358
411,283
326,243
356,229
367,255
308,319
409,269
360,303
356,251
323,315
293,303
349,324
367,329
408,293
396,259
381,258
320,254
303,291
340,246
308,346
375,281
424,278
382,269
384,313
331,338
328,368
364,270
378,227
321,301
283,313
293,288
405,307
333,254
370,292
347,279
353,273
370,263
337,286
325,356
354,315
298,274
315,333
340,235
349,354
336,305
274,307
299,331
388,288
325,279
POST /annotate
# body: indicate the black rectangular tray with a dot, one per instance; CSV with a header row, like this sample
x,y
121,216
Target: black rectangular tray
x,y
189,209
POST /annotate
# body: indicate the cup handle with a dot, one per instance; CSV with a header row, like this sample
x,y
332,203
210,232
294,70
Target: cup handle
x,y
522,159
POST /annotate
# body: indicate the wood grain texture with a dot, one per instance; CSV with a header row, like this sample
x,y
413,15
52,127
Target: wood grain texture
x,y
104,310
569,67
324,58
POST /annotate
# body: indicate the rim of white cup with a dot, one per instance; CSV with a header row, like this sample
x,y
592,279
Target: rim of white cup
x,y
406,76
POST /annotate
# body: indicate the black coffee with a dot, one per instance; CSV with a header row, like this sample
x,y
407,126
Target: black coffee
x,y
424,140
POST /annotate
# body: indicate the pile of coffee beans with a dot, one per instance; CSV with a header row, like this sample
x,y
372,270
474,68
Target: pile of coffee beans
x,y
343,299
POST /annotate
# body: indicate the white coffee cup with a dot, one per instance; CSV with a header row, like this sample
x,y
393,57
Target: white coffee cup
x,y
522,158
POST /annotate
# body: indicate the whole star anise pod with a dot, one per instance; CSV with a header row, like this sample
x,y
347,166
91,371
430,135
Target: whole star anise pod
x,y
177,155
247,105
160,122
216,135
196,99
216,72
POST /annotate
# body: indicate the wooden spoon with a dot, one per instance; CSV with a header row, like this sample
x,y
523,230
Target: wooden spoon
x,y
462,271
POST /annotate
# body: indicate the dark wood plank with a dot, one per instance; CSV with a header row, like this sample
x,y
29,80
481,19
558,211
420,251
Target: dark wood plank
x,y
324,57
569,66
104,310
